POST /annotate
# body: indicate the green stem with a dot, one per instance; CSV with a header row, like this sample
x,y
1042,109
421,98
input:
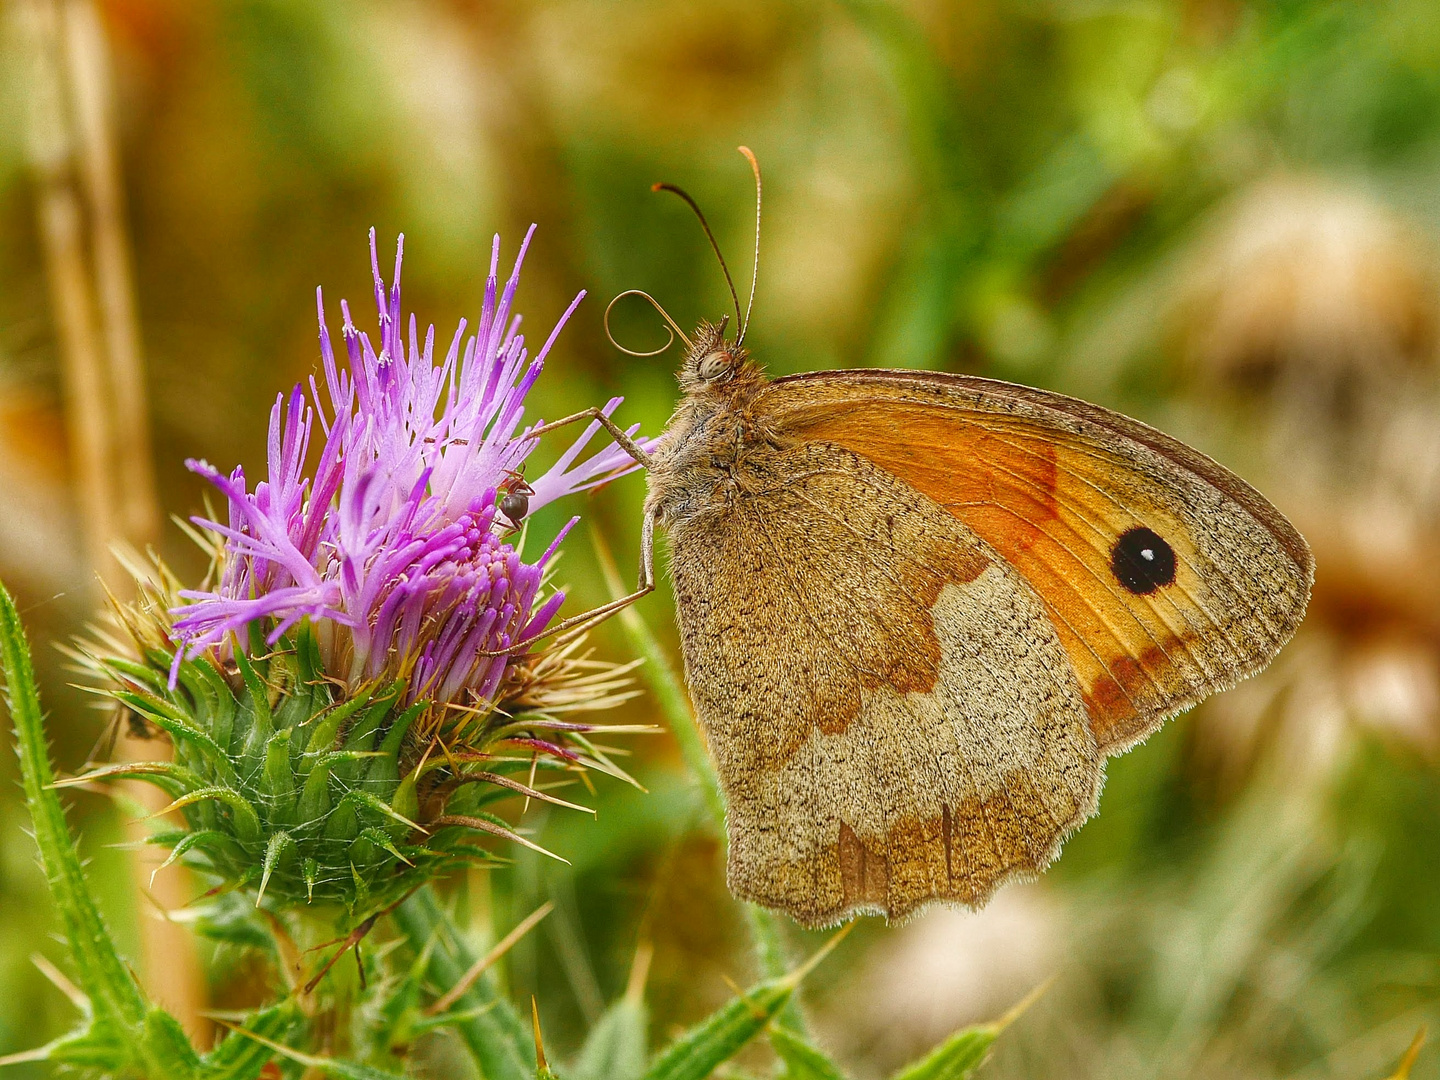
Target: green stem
x,y
151,1039
498,1039
766,931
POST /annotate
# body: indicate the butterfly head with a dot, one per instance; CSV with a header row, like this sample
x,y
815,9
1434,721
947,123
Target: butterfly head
x,y
713,363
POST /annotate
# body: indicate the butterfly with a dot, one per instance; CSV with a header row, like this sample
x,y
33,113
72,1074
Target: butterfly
x,y
919,610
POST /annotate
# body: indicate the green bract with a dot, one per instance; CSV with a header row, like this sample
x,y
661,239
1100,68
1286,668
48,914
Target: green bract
x,y
309,792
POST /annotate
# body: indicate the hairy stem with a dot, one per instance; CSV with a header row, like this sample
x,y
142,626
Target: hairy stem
x,y
149,1039
102,975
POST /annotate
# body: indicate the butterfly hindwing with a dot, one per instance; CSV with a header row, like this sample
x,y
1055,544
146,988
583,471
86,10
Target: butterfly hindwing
x,y
893,715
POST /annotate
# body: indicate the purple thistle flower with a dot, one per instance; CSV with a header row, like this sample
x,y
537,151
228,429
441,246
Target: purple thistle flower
x,y
391,544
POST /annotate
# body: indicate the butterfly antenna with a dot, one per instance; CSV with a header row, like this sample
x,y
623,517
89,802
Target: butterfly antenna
x,y
755,270
714,245
672,329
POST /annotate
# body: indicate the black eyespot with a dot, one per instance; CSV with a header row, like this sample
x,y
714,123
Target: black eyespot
x,y
1142,561
515,505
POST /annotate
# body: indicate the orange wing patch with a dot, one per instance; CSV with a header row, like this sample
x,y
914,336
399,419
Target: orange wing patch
x,y
1054,506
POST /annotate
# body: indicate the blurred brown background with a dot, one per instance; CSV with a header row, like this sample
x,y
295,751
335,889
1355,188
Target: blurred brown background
x,y
1219,216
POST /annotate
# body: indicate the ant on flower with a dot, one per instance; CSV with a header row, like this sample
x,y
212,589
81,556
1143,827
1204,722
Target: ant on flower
x,y
514,494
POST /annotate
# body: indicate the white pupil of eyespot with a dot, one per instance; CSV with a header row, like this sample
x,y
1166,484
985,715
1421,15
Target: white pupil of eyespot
x,y
1149,554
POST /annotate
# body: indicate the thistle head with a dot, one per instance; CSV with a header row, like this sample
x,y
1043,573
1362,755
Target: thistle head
x,y
343,695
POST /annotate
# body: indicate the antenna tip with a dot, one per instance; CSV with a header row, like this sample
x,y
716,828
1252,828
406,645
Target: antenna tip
x,y
659,185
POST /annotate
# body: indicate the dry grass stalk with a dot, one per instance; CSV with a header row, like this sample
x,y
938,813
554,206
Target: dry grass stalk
x,y
107,417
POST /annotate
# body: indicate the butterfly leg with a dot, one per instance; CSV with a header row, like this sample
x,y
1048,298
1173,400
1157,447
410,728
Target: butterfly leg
x,y
585,619
629,445
647,539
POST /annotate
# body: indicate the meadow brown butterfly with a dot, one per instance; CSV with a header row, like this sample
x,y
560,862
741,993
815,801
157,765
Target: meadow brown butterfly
x,y
919,610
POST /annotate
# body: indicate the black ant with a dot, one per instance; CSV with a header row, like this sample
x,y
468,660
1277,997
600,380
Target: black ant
x,y
514,495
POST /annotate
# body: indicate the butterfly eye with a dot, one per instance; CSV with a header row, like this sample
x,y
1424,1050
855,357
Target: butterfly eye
x,y
714,365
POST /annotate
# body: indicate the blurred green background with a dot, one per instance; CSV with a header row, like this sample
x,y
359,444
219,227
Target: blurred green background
x,y
1222,217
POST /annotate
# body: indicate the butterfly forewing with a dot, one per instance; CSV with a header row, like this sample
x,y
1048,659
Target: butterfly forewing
x,y
1165,576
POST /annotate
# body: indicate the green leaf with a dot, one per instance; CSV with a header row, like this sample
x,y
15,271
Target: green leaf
x,y
207,838
360,738
99,1046
615,1047
164,1049
380,840
244,817
384,765
234,920
326,1066
315,794
802,1061
239,1056
365,799
281,843
965,1051
307,655
725,1032
499,1041
222,720
181,730
169,777
956,1058
322,739
401,1020
119,668
259,697
277,779
721,1035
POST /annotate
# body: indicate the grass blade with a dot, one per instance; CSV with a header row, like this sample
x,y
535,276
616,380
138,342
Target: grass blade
x,y
956,1058
1402,1072
659,674
126,1034
615,1047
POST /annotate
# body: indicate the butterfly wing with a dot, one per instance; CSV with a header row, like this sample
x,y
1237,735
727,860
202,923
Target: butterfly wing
x,y
892,713
1165,576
